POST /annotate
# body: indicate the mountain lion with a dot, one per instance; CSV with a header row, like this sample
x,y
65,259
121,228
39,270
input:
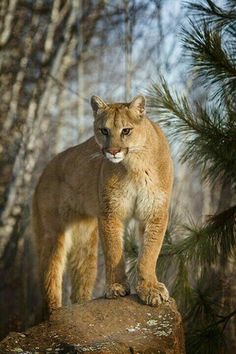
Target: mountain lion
x,y
124,171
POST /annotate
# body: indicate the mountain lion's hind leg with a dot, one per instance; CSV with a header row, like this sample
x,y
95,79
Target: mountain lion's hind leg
x,y
83,260
111,231
52,264
149,290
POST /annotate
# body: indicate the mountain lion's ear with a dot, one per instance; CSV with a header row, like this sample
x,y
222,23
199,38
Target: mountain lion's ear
x,y
97,103
138,103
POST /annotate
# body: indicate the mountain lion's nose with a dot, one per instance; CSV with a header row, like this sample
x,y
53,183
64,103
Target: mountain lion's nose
x,y
113,151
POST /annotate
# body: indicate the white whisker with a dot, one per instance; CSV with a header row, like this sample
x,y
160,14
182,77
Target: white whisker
x,y
96,154
136,148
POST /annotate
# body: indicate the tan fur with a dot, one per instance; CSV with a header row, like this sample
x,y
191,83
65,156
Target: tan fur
x,y
81,191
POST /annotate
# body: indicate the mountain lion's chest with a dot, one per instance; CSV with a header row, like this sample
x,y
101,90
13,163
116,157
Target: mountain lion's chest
x,y
137,197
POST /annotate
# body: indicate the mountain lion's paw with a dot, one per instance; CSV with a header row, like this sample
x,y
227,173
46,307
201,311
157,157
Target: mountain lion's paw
x,y
152,294
114,290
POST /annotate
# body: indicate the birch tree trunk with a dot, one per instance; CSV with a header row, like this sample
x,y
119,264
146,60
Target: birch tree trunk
x,y
80,74
128,51
24,118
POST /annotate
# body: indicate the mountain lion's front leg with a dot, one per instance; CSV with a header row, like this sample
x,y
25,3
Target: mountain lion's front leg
x,y
149,290
111,231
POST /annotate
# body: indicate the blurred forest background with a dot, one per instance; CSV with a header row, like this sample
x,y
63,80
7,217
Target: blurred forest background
x,y
54,54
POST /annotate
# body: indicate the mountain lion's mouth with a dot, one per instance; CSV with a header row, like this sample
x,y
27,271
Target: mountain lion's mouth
x,y
115,158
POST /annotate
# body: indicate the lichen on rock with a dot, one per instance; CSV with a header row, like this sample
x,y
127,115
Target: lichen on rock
x,y
104,326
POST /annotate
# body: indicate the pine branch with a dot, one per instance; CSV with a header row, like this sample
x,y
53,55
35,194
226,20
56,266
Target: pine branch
x,y
213,61
206,301
206,325
217,238
214,15
181,288
210,338
207,135
203,245
230,4
206,341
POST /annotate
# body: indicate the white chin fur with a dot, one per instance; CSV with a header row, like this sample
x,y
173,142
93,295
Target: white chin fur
x,y
115,159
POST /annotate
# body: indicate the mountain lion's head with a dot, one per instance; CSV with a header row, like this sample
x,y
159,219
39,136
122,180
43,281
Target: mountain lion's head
x,y
118,127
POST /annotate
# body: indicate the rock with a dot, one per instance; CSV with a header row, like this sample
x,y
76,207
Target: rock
x,y
104,326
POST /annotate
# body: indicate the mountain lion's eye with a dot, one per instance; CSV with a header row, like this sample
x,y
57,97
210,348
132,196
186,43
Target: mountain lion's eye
x,y
104,131
126,131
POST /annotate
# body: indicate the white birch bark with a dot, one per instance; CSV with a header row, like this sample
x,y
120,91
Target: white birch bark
x,y
7,24
128,52
31,145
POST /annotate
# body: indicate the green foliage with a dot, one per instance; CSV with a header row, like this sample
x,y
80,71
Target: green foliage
x,y
213,60
218,17
197,255
204,244
208,135
208,341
